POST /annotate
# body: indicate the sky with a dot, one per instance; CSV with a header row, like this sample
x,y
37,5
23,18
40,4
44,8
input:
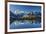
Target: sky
x,y
24,8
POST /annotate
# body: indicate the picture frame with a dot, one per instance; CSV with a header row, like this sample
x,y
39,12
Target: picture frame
x,y
23,5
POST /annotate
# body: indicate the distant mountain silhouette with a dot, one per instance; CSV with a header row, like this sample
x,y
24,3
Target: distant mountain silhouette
x,y
14,16
18,16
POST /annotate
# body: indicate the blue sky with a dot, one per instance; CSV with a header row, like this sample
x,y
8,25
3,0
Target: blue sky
x,y
25,8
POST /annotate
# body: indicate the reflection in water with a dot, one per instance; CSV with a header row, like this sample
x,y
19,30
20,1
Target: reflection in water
x,y
26,21
20,24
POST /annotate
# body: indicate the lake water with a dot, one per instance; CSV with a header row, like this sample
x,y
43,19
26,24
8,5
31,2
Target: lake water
x,y
21,24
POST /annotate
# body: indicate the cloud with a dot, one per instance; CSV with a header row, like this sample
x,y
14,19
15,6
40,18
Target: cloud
x,y
18,12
